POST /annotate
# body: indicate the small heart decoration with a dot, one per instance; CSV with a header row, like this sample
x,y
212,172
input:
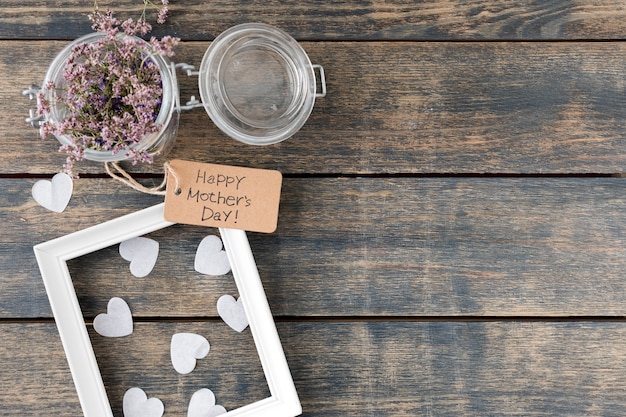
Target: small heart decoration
x,y
54,195
142,253
210,258
185,349
116,322
137,404
202,404
232,312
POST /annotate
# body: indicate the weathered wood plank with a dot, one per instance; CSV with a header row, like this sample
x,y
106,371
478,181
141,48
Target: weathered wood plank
x,y
347,368
358,246
232,369
344,20
419,108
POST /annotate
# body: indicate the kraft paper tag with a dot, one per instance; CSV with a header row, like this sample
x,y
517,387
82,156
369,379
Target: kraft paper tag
x,y
223,196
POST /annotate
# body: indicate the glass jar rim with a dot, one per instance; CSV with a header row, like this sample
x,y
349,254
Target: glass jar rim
x,y
168,103
221,60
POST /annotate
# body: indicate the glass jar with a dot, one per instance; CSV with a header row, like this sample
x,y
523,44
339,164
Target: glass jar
x,y
154,144
257,83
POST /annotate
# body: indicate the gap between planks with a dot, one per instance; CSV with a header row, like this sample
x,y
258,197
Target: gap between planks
x,y
360,319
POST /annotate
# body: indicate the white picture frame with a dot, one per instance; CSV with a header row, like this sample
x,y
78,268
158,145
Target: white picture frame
x,y
52,257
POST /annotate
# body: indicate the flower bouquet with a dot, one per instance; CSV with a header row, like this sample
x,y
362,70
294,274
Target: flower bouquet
x,y
111,95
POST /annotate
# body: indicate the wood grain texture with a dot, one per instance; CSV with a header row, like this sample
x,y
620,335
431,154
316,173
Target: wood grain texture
x,y
350,369
340,20
357,247
419,108
403,281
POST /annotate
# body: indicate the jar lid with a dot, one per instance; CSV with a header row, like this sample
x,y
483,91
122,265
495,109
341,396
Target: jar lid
x,y
257,84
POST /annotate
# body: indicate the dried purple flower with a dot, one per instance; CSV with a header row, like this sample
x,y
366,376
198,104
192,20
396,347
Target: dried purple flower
x,y
162,14
111,91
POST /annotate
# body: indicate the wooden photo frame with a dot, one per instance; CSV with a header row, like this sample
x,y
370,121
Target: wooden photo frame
x,y
52,257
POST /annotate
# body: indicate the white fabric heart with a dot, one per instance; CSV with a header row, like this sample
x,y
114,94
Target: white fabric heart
x,y
54,195
210,258
116,322
142,253
202,404
232,312
137,404
185,349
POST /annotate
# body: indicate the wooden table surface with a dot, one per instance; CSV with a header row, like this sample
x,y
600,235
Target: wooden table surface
x,y
452,228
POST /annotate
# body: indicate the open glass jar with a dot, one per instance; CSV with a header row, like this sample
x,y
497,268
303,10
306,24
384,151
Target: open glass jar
x,y
153,144
257,84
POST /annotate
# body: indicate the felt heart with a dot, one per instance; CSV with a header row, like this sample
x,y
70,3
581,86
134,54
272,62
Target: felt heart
x,y
232,312
142,254
54,195
210,258
202,404
137,404
116,322
185,349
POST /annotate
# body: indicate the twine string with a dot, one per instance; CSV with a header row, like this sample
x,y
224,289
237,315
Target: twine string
x,y
125,178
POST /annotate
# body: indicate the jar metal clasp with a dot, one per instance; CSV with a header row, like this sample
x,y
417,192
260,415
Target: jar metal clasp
x,y
188,69
33,118
320,69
